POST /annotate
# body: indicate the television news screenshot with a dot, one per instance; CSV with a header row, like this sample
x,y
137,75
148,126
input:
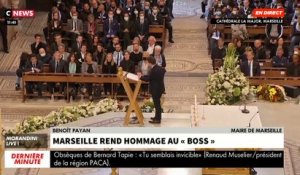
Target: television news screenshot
x,y
149,87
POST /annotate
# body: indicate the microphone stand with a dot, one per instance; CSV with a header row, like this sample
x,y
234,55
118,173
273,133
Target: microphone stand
x,y
245,110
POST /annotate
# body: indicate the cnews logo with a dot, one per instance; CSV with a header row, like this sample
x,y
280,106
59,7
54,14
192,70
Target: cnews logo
x,y
19,13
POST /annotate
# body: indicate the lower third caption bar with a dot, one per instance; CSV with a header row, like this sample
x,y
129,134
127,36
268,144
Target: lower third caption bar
x,y
161,159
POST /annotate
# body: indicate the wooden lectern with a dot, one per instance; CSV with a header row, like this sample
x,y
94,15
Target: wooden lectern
x,y
132,95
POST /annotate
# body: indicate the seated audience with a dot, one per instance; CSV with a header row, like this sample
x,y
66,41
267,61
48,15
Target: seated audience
x,y
56,43
136,40
94,44
159,57
89,67
43,56
90,28
293,69
142,28
74,27
126,28
259,50
34,66
108,67
63,53
250,67
279,60
77,44
24,59
127,64
35,47
151,44
110,27
99,55
118,55
82,54
220,51
136,56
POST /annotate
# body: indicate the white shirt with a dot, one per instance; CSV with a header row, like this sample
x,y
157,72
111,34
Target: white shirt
x,y
118,57
150,49
250,63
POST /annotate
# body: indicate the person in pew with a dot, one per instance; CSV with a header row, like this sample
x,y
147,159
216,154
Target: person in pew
x,y
99,55
246,10
43,56
89,67
51,13
159,56
56,43
170,6
127,64
218,52
94,7
240,48
73,9
126,28
279,60
111,47
82,54
293,69
57,65
142,28
156,87
110,28
35,47
93,45
155,17
63,53
77,45
74,27
101,14
85,12
273,33
135,40
118,15
147,9
54,26
295,36
34,66
24,59
144,70
73,68
259,50
166,14
250,67
118,55
90,28
136,56
109,67
280,43
151,45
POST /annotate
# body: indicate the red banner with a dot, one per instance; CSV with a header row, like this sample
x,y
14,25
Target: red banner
x,y
268,13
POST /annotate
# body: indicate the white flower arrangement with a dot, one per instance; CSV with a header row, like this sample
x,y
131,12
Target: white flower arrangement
x,y
228,85
64,115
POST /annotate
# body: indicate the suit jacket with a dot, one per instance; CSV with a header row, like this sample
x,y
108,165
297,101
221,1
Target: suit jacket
x,y
85,66
109,68
75,47
114,27
161,61
156,21
79,25
61,68
279,62
94,30
156,80
142,30
255,67
115,57
126,25
46,59
29,66
128,66
35,50
80,58
260,53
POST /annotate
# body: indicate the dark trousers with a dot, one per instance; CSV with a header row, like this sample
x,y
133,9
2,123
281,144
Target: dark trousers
x,y
203,5
170,6
3,31
107,88
31,86
170,30
157,105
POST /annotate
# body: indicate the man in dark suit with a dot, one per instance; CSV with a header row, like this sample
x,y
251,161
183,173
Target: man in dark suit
x,y
74,26
77,45
142,28
250,67
155,17
57,65
3,27
34,66
259,50
166,14
35,47
110,27
156,86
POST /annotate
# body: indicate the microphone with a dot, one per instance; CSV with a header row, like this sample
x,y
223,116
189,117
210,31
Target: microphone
x,y
249,125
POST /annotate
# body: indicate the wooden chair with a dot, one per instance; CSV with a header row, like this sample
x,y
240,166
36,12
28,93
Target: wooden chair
x,y
46,68
265,63
273,72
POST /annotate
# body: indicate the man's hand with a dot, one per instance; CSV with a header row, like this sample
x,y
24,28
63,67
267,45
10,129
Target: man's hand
x,y
139,74
36,70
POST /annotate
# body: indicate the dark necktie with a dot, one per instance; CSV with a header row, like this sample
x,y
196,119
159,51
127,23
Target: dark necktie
x,y
142,28
75,25
249,68
109,26
118,59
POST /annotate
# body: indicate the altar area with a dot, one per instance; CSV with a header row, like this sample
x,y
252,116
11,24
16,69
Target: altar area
x,y
116,119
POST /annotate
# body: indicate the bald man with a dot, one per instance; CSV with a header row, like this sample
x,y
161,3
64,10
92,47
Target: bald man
x,y
259,50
